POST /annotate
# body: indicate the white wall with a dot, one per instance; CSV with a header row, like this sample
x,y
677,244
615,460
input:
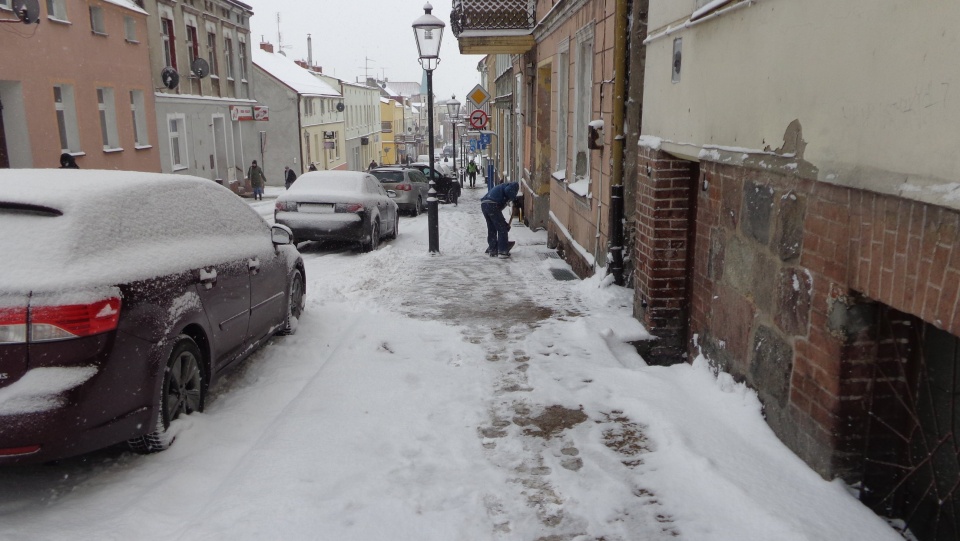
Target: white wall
x,y
874,86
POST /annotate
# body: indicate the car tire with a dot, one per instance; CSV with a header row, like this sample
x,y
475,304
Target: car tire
x,y
396,228
374,237
418,207
183,392
295,303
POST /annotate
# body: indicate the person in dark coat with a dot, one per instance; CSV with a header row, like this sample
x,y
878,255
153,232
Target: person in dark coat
x,y
492,205
289,177
67,161
373,165
257,180
313,167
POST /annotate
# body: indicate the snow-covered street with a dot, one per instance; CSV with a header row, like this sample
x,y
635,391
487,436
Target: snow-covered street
x,y
451,397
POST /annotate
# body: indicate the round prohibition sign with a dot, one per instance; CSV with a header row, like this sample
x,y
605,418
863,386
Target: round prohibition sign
x,y
478,119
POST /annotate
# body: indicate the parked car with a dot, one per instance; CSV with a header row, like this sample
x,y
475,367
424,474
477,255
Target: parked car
x,y
339,205
409,184
124,297
448,188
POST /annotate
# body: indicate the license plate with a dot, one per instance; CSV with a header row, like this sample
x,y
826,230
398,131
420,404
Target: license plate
x,y
318,208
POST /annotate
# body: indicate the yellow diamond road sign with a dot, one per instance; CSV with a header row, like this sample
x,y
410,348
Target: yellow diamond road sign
x,y
478,95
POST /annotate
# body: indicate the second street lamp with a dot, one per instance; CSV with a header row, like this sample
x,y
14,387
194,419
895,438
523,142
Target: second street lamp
x,y
453,109
428,30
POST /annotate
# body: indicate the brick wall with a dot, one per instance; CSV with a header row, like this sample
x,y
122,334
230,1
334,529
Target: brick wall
x,y
660,251
788,276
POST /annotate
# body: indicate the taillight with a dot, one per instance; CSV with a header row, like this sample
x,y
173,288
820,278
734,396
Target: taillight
x,y
404,187
348,207
63,322
286,206
13,325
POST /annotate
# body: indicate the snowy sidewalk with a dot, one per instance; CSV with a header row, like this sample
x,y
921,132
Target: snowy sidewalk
x,y
451,397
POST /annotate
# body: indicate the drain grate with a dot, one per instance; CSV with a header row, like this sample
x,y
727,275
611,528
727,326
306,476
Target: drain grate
x,y
563,275
548,255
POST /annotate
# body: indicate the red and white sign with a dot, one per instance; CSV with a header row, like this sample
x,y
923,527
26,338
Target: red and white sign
x,y
478,119
248,112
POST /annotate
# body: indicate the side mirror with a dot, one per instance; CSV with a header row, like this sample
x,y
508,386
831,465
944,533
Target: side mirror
x,y
281,234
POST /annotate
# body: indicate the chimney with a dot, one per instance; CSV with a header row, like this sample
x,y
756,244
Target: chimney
x,y
266,46
309,50
301,63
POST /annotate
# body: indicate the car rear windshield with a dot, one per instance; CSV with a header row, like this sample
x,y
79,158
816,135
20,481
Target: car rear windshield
x,y
388,176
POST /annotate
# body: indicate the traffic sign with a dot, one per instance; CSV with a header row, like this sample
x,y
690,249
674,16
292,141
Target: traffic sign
x,y
484,139
478,95
478,119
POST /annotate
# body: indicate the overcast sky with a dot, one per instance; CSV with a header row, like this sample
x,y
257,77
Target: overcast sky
x,y
346,32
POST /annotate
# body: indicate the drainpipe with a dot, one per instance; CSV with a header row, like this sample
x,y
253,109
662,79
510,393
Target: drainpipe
x,y
619,104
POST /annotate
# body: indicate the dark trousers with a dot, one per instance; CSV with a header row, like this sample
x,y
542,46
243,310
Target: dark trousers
x,y
497,228
473,179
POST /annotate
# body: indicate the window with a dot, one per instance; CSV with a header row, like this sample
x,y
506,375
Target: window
x,y
583,103
228,56
139,115
193,48
212,53
169,51
66,118
6,4
96,21
563,97
108,118
243,58
57,10
130,29
178,141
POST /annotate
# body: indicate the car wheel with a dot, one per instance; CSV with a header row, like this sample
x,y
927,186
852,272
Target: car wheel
x,y
182,393
374,237
418,207
396,228
295,303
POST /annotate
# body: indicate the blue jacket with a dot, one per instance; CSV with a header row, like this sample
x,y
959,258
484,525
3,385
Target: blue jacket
x,y
501,194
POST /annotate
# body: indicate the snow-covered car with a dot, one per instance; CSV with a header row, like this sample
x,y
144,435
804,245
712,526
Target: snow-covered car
x,y
347,206
123,297
410,185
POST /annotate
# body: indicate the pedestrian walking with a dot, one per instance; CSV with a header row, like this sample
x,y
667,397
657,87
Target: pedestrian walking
x,y
67,161
492,205
472,173
257,180
289,177
372,166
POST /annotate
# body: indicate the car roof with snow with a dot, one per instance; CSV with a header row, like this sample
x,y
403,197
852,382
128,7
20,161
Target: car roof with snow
x,y
67,228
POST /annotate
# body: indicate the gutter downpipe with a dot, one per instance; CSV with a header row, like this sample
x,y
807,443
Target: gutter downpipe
x,y
619,104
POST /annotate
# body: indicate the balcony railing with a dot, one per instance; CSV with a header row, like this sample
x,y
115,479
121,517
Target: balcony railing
x,y
492,15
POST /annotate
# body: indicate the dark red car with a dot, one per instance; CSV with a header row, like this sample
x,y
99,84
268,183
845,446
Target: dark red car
x,y
123,297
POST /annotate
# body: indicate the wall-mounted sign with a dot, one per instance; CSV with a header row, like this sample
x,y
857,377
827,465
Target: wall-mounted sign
x,y
249,112
364,140
329,145
329,135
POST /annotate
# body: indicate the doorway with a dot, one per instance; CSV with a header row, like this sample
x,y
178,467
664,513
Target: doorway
x,y
4,156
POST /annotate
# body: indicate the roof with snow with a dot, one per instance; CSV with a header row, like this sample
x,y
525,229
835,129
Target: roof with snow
x,y
289,73
129,4
405,89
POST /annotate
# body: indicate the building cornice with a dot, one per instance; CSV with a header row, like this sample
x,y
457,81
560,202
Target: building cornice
x,y
558,15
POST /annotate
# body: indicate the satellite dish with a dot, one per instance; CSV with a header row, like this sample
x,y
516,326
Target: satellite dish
x,y
170,77
27,11
200,67
340,107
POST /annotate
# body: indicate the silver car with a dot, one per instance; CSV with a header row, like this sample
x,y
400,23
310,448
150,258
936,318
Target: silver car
x,y
339,205
410,184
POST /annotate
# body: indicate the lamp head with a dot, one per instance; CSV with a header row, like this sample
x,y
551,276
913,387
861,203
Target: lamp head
x,y
428,31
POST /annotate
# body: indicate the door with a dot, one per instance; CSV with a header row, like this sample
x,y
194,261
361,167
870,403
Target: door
x,y
224,290
220,149
268,290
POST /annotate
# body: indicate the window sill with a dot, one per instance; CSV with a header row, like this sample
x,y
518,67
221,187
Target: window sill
x,y
76,154
112,150
179,167
142,147
133,41
56,20
212,76
101,34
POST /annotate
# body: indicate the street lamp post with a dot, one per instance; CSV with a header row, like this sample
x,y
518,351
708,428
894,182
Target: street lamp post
x,y
453,109
428,30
